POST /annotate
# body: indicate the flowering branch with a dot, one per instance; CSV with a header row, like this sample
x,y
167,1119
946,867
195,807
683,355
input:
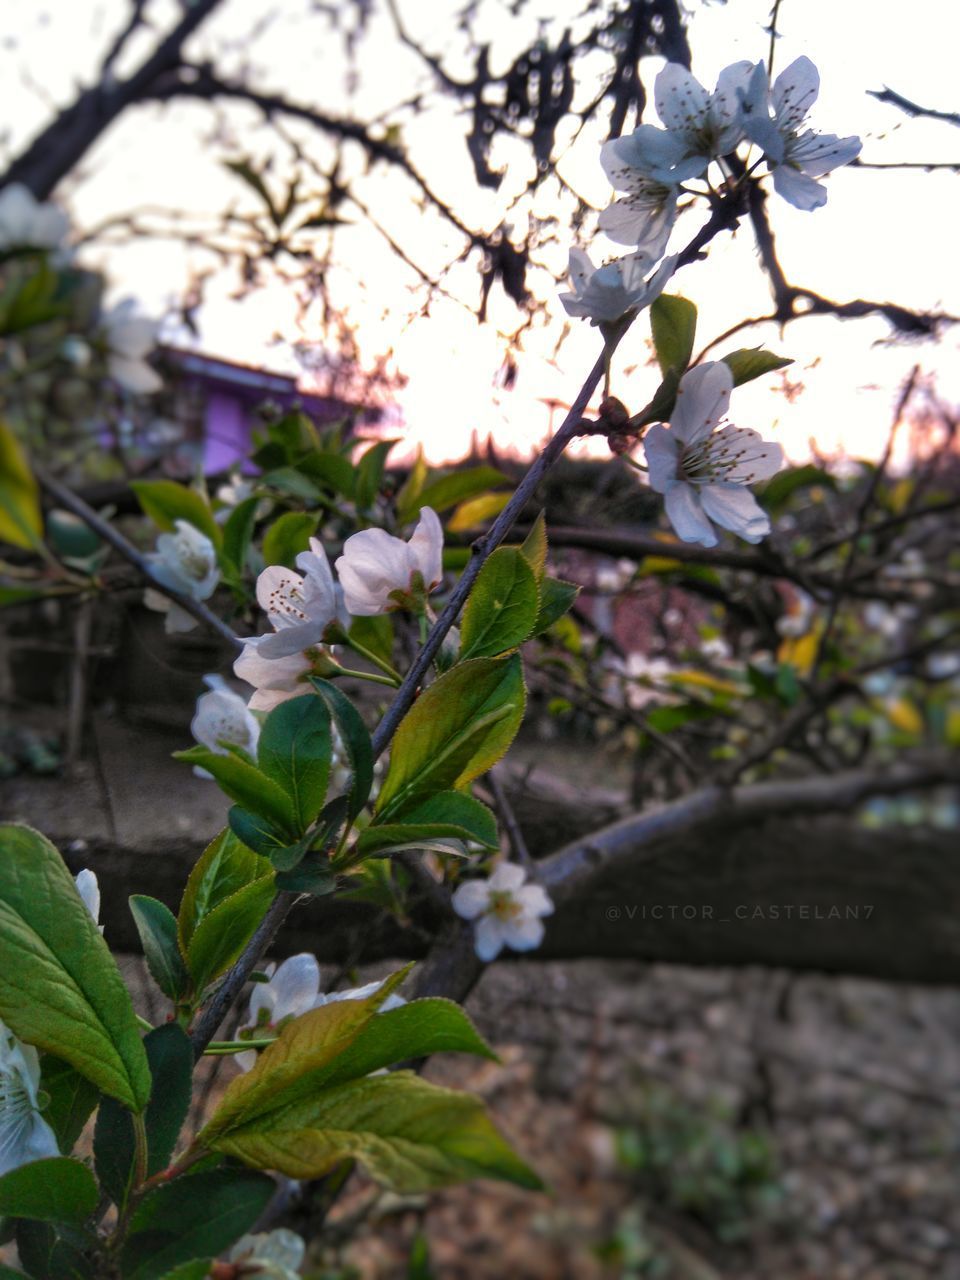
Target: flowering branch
x,y
68,499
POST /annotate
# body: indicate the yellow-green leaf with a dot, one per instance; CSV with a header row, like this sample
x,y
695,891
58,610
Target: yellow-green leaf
x,y
21,523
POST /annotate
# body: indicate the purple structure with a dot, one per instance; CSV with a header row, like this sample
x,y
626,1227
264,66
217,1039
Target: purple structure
x,y
218,400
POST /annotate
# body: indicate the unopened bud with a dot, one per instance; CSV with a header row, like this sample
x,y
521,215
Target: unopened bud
x,y
620,443
614,412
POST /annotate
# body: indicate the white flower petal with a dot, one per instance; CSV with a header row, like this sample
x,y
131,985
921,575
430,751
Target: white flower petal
x,y
471,899
686,515
735,508
295,985
523,933
507,878
426,545
488,938
89,891
794,93
747,457
662,452
680,99
535,900
797,189
702,400
135,376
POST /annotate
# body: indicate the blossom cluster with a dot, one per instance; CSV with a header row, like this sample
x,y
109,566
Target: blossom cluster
x,y
653,165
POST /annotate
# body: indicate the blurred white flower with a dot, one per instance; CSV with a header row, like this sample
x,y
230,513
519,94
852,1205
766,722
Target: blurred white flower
x,y
24,1134
274,1255
223,716
300,608
604,294
130,338
26,223
380,573
797,156
703,471
508,912
642,678
274,679
236,490
184,561
75,351
88,888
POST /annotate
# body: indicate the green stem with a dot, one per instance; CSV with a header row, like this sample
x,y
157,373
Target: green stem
x,y
140,1148
143,1024
219,1048
392,681
381,663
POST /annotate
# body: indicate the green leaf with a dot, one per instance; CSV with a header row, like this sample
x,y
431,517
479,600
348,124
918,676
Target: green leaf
x,y
60,988
470,514
170,1055
53,1252
192,1217
412,487
662,405
295,752
375,634
290,481
225,866
246,173
166,502
556,597
409,1134
312,874
455,731
52,1190
287,537
355,741
195,1269
458,486
451,815
21,523
752,362
71,1100
331,470
222,934
369,474
246,784
157,927
673,321
502,608
296,1065
534,549
255,832
238,532
780,488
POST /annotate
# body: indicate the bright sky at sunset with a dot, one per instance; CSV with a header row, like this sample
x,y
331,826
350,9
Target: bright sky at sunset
x,y
883,235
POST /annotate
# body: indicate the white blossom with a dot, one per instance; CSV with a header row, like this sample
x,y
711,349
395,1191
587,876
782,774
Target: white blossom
x,y
702,469
130,338
507,911
26,223
700,126
274,679
223,716
796,155
643,679
380,573
273,1255
24,1134
604,294
184,561
88,888
300,608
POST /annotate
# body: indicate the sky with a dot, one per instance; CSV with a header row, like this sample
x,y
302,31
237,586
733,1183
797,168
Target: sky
x,y
883,234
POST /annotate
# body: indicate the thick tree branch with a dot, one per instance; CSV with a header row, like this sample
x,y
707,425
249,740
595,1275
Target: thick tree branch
x,y
570,870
